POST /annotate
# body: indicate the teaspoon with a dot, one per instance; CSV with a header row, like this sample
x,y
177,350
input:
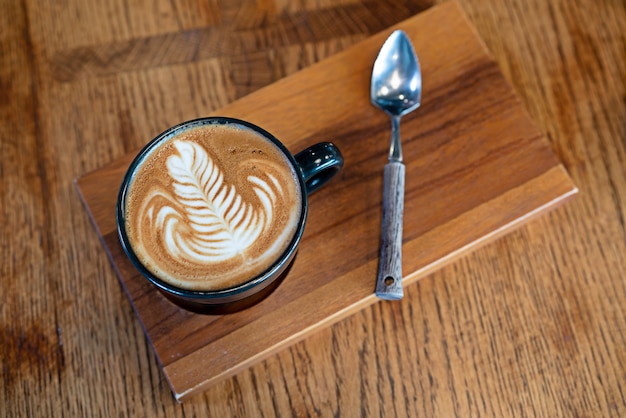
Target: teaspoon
x,y
396,88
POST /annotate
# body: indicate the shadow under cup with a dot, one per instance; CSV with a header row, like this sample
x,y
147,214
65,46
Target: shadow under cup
x,y
315,166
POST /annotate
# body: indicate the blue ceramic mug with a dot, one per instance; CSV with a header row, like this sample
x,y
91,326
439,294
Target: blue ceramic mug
x,y
212,210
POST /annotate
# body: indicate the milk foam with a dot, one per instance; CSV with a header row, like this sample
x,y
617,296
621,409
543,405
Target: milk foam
x,y
208,213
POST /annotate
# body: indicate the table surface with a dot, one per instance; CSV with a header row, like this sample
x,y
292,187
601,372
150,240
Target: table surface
x,y
533,324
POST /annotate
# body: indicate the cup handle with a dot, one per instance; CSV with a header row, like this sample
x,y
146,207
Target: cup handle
x,y
318,164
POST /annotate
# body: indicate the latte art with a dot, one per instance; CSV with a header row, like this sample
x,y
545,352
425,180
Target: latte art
x,y
212,207
220,223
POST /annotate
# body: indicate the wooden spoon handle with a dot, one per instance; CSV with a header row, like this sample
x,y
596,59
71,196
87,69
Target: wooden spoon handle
x,y
389,282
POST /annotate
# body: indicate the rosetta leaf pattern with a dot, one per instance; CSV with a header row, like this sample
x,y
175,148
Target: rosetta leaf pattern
x,y
211,221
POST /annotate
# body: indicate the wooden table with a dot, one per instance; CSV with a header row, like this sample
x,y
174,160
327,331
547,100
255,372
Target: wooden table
x,y
532,324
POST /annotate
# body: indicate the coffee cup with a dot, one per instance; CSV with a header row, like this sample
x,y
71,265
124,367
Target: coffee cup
x,y
212,210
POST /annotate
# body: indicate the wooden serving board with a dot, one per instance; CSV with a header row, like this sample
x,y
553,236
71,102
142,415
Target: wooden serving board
x,y
476,167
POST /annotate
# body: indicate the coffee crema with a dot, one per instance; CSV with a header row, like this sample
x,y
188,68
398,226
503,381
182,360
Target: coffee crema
x,y
212,207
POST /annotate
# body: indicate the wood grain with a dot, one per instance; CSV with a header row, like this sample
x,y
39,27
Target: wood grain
x,y
533,324
199,351
389,277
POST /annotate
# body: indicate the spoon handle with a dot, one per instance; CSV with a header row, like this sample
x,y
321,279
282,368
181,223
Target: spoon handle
x,y
389,281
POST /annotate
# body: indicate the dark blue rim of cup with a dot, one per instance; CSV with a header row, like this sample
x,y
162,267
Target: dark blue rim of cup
x,y
247,288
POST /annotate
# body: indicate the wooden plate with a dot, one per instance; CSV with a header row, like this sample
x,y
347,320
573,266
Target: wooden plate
x,y
476,167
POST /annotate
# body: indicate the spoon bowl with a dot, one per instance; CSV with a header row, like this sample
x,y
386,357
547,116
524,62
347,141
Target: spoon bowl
x,y
396,78
396,86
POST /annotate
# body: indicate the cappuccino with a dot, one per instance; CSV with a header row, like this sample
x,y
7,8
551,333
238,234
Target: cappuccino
x,y
212,206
